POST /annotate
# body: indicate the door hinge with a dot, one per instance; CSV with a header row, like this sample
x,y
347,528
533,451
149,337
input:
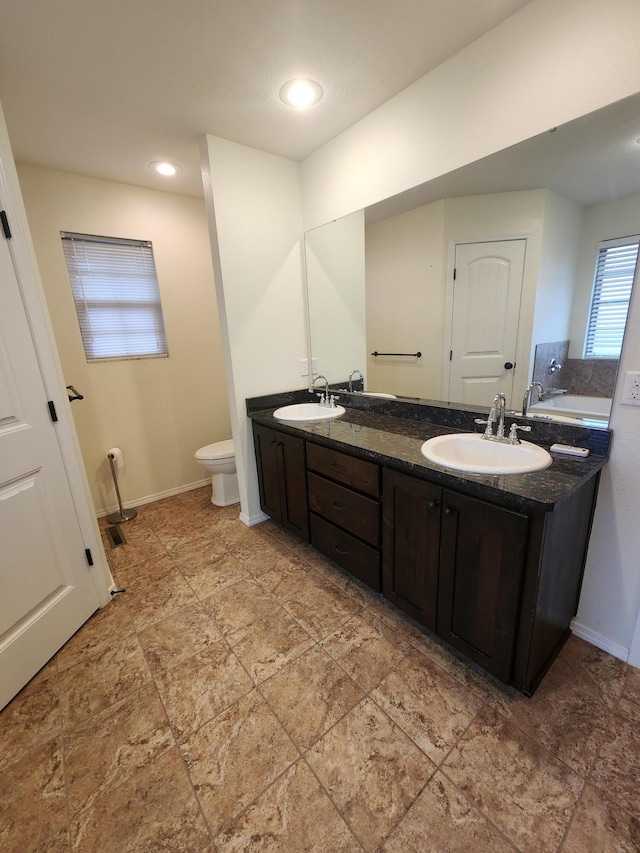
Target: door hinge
x,y
5,224
454,273
87,553
52,410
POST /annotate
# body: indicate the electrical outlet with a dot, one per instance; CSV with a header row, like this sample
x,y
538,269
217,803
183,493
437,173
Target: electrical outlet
x,y
304,367
631,389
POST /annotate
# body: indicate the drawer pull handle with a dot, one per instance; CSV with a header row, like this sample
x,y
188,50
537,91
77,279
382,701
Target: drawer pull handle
x,y
341,550
338,467
339,507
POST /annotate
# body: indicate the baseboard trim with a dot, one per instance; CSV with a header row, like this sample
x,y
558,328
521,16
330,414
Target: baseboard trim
x,y
251,520
169,493
599,641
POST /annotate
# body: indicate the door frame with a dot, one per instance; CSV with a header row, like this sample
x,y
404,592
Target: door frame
x,y
32,292
524,354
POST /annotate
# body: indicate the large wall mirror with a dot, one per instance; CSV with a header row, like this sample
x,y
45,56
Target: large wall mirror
x,y
483,279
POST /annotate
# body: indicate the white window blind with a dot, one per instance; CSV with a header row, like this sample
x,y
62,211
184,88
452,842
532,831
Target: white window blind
x,y
116,294
615,269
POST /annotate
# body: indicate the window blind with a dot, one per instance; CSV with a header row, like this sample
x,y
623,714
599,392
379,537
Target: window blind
x,y
115,290
615,270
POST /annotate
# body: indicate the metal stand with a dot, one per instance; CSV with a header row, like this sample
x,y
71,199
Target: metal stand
x,y
124,514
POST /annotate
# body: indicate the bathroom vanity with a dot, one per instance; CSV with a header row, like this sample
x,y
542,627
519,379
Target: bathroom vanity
x,y
491,564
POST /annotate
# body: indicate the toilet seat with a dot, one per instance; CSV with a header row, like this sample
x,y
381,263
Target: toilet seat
x,y
217,450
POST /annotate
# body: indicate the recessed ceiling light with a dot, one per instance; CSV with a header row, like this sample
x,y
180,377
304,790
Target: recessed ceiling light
x,y
301,93
165,168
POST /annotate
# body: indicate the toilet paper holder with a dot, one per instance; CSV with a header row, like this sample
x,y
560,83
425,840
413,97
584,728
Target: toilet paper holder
x,y
123,514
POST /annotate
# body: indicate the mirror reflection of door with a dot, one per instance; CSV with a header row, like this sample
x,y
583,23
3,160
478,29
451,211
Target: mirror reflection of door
x,y
484,328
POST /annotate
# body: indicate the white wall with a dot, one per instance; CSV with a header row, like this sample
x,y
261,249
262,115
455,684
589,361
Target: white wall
x,y
557,270
405,301
255,216
158,411
335,265
547,64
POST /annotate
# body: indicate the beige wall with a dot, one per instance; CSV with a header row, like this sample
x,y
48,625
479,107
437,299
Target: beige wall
x,y
158,411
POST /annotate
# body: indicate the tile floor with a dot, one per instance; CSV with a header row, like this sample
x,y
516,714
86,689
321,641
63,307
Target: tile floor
x,y
246,694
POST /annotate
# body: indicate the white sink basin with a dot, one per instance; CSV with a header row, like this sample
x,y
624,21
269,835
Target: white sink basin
x,y
470,452
308,412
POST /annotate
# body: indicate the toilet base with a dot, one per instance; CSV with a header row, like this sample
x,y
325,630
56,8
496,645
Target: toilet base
x,y
224,489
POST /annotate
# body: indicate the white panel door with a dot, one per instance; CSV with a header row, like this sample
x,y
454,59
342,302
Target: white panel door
x,y
486,310
46,589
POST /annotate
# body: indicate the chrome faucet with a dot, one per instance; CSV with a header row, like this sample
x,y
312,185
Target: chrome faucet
x,y
324,398
526,400
351,375
496,413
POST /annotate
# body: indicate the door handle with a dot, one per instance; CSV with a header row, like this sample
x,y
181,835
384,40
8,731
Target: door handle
x,y
508,365
76,394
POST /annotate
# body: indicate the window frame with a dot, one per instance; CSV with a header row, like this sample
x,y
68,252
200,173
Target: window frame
x,y
597,301
133,260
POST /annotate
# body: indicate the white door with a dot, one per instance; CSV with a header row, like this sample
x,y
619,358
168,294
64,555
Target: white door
x,y
46,589
484,329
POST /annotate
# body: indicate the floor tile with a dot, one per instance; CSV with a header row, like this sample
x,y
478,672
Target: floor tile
x,y
153,604
235,757
367,648
101,680
616,770
143,575
141,551
207,578
463,671
629,705
602,827
177,638
293,814
371,771
320,607
441,819
310,695
108,749
594,671
269,643
198,552
144,814
31,718
239,605
515,781
33,812
97,633
564,718
427,704
201,687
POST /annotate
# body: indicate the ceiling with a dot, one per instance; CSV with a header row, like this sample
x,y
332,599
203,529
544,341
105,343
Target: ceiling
x,y
105,88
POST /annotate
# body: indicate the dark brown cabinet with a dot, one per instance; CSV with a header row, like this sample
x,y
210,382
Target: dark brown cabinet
x,y
411,544
498,584
282,478
345,511
482,559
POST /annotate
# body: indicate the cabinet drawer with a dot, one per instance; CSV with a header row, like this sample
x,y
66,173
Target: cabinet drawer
x,y
355,513
357,473
359,559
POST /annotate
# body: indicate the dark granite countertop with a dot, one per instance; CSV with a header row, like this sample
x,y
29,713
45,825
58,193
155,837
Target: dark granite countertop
x,y
372,432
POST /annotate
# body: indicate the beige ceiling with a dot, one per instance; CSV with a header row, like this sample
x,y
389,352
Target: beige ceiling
x,y
104,88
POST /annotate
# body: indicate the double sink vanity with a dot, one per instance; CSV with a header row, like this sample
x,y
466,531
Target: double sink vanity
x,y
491,562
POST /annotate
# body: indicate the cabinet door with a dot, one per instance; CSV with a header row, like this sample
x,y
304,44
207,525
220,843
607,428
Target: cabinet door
x,y
282,478
410,545
482,555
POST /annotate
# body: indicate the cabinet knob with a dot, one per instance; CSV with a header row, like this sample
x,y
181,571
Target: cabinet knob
x,y
433,504
447,510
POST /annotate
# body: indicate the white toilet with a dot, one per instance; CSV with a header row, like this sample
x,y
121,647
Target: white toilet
x,y
219,459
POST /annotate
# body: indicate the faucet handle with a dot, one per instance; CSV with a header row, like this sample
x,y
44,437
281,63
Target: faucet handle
x,y
332,400
513,432
488,433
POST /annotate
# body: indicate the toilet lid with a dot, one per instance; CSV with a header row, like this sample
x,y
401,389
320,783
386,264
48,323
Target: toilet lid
x,y
217,450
